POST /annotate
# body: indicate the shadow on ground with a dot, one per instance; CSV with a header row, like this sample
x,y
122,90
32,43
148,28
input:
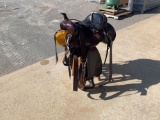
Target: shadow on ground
x,y
155,10
145,71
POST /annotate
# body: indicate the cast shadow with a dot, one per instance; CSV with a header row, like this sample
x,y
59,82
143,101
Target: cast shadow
x,y
154,10
145,71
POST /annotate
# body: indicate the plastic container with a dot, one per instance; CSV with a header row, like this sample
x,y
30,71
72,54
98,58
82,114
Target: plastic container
x,y
112,2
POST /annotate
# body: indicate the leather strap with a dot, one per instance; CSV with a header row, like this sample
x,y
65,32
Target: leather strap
x,y
75,75
55,48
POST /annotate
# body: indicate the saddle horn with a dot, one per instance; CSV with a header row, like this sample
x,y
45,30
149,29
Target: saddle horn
x,y
65,16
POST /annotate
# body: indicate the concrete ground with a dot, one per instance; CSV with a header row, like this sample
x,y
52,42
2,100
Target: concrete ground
x,y
43,91
27,28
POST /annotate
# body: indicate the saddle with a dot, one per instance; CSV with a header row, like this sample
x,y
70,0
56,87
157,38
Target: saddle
x,y
80,36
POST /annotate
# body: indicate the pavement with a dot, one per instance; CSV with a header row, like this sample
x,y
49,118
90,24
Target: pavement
x,y
27,28
43,91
